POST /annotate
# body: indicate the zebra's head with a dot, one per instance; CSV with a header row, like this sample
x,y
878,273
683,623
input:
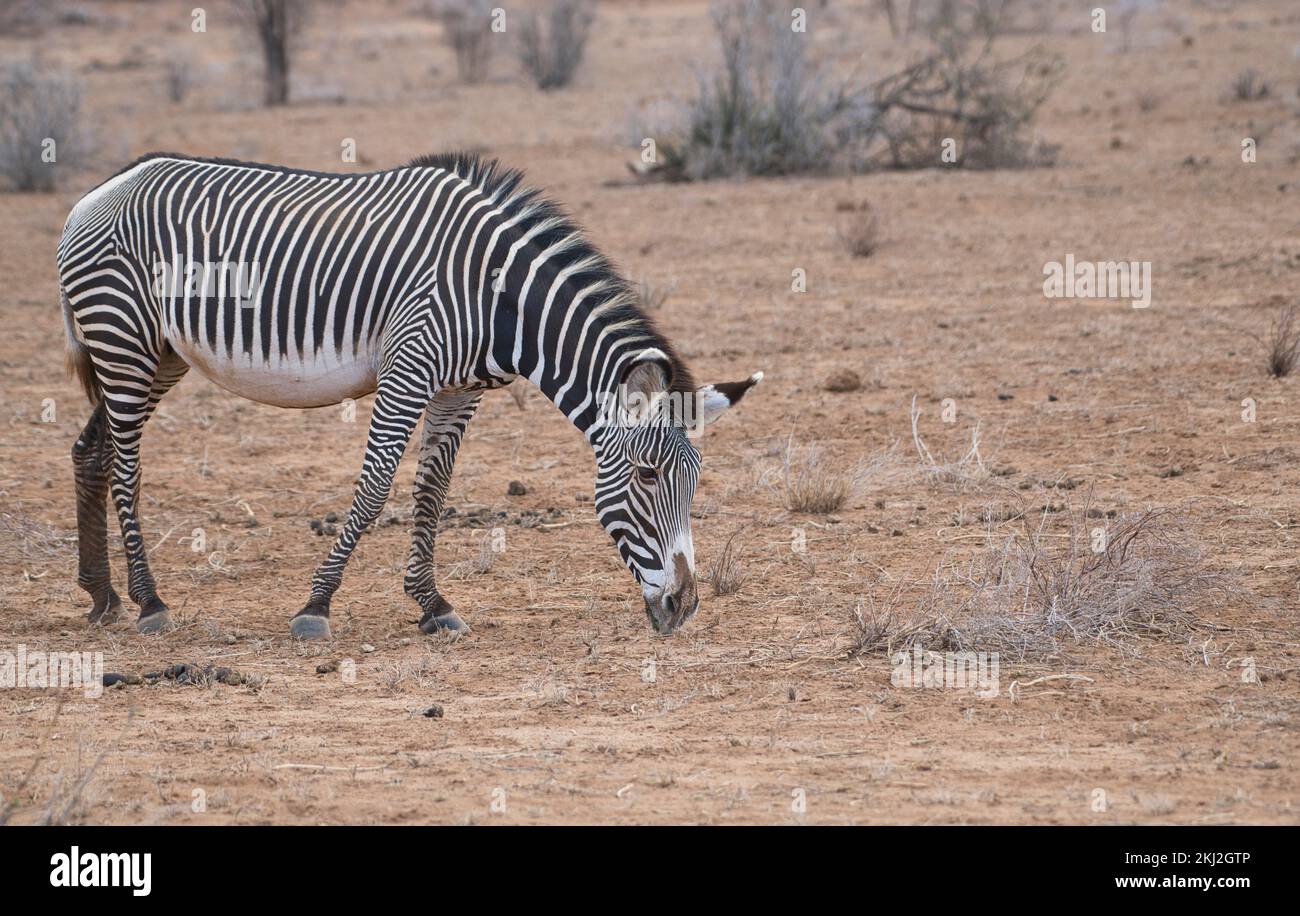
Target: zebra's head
x,y
646,471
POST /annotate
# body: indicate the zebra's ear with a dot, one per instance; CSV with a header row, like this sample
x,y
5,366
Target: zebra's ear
x,y
714,400
649,373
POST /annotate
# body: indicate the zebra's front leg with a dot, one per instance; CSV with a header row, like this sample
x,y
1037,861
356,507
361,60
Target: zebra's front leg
x,y
396,412
445,420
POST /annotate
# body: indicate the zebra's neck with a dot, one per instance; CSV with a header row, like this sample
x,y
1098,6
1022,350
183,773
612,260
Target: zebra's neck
x,y
573,347
573,329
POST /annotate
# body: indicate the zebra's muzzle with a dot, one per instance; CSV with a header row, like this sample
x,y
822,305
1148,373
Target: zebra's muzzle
x,y
673,607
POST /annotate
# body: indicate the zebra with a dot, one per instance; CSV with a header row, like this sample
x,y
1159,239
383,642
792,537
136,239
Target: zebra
x,y
426,285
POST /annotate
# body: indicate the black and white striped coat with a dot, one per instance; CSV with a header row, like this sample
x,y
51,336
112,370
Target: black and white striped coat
x,y
424,284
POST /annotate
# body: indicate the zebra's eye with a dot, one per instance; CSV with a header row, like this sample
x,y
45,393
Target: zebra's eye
x,y
648,476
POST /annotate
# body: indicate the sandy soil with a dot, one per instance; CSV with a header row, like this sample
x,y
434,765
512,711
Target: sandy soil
x,y
548,715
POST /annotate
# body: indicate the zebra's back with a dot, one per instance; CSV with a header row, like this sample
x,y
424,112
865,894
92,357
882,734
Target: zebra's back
x,y
278,284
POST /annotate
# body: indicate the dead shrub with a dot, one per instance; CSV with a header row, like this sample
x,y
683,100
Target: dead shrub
x,y
771,109
277,26
1249,86
179,78
1032,590
42,134
1283,343
552,43
467,30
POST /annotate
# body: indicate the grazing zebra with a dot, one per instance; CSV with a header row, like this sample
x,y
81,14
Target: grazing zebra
x,y
426,285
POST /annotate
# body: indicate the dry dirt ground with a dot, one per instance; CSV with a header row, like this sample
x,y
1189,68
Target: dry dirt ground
x,y
548,715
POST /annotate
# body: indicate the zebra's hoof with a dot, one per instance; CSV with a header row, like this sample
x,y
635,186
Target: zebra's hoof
x,y
157,622
310,626
449,621
110,613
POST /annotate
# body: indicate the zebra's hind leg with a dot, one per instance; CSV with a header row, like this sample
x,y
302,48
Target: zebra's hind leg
x,y
128,405
445,420
397,409
92,455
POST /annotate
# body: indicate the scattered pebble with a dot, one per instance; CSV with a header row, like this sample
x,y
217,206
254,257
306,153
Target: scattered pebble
x,y
433,712
366,647
327,667
516,489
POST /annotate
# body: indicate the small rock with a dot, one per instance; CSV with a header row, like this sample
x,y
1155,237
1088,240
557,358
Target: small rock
x,y
516,489
433,712
327,667
366,647
331,517
111,678
842,380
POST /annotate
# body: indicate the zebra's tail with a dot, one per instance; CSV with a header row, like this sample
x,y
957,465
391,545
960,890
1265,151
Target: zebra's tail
x,y
78,356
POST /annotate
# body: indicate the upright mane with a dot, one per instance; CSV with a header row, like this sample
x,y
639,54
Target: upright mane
x,y
620,302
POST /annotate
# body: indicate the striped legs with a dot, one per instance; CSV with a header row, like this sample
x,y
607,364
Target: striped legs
x,y
445,420
129,401
92,456
399,403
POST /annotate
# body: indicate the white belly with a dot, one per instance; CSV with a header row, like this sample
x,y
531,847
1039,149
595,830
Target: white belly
x,y
284,382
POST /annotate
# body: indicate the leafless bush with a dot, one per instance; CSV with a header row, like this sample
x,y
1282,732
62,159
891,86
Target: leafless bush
x,y
276,25
551,44
765,112
179,78
42,133
812,486
962,102
25,18
1283,343
728,573
467,30
1029,591
859,230
1249,85
771,109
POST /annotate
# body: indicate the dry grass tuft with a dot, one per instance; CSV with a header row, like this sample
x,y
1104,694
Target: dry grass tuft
x,y
961,473
859,230
810,485
1283,343
1029,591
653,296
728,574
1249,86
479,566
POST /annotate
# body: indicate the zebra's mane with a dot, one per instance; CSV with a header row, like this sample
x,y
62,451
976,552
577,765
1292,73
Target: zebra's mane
x,y
504,186
619,303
